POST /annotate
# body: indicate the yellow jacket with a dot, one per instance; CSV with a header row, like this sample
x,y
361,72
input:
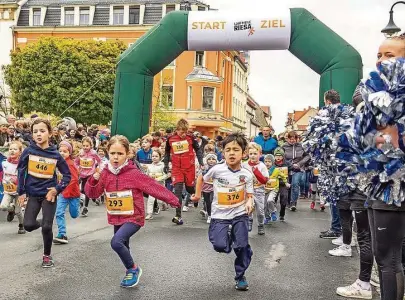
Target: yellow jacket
x,y
275,176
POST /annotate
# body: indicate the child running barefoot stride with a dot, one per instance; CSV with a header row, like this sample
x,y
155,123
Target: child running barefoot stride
x,y
37,181
9,174
69,197
124,186
231,205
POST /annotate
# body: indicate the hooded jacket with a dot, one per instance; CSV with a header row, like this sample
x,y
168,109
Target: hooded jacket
x,y
129,178
87,162
72,190
33,185
295,154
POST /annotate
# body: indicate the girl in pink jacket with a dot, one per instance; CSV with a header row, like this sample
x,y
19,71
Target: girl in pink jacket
x,y
124,185
87,161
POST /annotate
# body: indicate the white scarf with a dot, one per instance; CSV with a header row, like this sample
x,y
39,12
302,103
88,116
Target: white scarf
x,y
115,171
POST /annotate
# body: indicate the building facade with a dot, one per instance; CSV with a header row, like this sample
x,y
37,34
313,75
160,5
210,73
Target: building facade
x,y
298,120
198,85
255,118
239,98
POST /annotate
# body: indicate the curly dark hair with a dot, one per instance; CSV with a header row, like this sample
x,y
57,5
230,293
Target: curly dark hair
x,y
333,96
237,137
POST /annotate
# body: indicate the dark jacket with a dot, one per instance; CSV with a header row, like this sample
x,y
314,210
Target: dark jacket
x,y
38,187
295,154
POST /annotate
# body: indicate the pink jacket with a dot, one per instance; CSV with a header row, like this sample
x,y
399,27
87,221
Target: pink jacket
x,y
87,162
129,178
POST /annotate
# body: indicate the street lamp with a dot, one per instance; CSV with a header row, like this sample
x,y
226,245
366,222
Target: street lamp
x,y
391,28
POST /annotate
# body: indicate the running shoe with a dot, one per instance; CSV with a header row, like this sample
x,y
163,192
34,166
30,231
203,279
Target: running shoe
x,y
164,207
177,220
185,208
10,216
274,216
242,284
312,206
156,211
339,241
322,207
21,229
354,291
203,213
97,201
60,239
47,261
329,235
85,212
293,208
260,230
131,278
149,217
209,220
267,221
342,251
282,218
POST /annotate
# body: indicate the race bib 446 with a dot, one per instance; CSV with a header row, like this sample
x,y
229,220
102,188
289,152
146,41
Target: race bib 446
x,y
41,167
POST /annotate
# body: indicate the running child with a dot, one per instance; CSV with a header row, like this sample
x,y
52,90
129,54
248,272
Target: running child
x,y
182,148
155,171
207,188
69,197
313,181
260,178
9,180
231,205
281,165
124,185
272,188
87,160
144,155
37,182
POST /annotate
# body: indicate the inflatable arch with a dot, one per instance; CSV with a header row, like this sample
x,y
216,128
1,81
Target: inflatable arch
x,y
295,29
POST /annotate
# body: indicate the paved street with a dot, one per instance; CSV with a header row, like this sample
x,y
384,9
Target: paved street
x,y
289,262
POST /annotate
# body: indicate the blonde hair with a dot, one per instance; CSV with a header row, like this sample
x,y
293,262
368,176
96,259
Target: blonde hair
x,y
209,147
253,145
157,150
182,124
18,143
148,138
88,140
118,139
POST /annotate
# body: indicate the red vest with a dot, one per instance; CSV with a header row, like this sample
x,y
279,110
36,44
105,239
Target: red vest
x,y
182,151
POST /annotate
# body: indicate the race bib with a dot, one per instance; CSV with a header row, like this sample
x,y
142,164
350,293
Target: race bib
x,y
41,167
316,172
271,184
120,203
156,175
210,181
256,183
283,170
86,163
180,147
10,188
229,197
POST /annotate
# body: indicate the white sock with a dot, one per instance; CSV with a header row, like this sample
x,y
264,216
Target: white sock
x,y
364,285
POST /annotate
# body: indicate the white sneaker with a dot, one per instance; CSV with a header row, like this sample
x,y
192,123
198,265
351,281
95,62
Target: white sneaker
x,y
344,250
149,217
339,241
208,220
185,208
354,291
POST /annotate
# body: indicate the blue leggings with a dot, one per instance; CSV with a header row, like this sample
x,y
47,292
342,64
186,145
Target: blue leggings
x,y
120,242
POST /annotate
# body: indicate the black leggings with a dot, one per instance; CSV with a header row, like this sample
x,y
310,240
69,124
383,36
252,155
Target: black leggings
x,y
364,240
208,201
32,210
284,199
83,184
387,234
178,191
346,220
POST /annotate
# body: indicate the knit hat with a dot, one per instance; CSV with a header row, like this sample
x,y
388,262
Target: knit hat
x,y
67,145
270,157
279,151
208,156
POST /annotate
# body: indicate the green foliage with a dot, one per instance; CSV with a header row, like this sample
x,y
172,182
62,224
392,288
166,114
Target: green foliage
x,y
49,75
163,115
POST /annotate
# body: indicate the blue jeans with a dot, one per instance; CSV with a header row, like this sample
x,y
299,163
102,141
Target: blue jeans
x,y
120,242
335,225
74,210
297,180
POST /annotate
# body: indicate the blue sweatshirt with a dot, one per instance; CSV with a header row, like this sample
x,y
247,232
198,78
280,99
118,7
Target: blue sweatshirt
x,y
268,145
33,185
144,157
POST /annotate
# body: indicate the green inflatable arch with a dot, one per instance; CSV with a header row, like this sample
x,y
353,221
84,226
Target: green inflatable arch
x,y
316,45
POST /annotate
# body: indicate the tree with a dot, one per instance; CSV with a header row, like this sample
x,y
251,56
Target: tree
x,y
51,74
163,115
4,96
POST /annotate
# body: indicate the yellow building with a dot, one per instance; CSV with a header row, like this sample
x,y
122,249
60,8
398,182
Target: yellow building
x,y
197,85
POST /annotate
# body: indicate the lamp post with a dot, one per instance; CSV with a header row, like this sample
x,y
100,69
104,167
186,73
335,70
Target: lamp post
x,y
391,28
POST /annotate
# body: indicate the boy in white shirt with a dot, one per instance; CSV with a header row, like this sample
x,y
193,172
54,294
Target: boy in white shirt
x,y
231,205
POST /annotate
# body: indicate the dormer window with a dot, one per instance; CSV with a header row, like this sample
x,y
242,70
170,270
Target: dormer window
x,y
36,17
118,15
84,16
134,13
170,8
69,16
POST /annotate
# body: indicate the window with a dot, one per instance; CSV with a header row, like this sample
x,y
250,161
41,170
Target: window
x,y
36,17
190,97
201,8
134,15
208,98
118,15
170,8
69,16
84,16
167,96
199,58
221,103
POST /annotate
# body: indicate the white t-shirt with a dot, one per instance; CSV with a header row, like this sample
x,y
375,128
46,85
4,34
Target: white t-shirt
x,y
230,191
262,168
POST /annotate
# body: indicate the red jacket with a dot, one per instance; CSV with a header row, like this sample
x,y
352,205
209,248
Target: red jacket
x,y
72,190
185,159
129,178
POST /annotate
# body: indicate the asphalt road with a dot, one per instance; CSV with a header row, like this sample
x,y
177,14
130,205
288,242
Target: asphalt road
x,y
178,262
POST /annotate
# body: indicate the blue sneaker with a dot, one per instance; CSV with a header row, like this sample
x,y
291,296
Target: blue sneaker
x,y
274,216
242,284
267,221
131,279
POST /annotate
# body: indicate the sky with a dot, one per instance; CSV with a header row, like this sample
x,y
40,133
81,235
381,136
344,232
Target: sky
x,y
280,80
